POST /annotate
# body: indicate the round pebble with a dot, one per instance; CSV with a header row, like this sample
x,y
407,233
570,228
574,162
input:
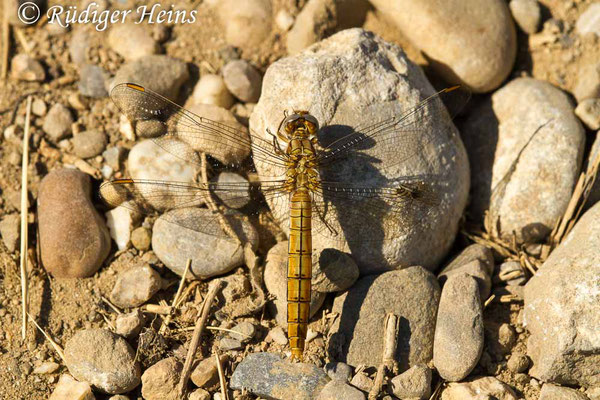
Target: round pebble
x,y
247,23
506,337
518,362
246,331
26,68
413,383
527,13
588,112
68,388
199,394
89,144
242,80
130,324
211,89
141,238
589,20
103,359
10,227
78,45
336,389
92,81
237,199
135,286
159,382
205,374
278,336
67,192
39,107
458,341
57,123
311,25
555,392
139,42
335,271
227,344
338,371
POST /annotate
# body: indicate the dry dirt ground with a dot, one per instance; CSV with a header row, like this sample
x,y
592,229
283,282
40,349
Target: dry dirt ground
x,y
63,306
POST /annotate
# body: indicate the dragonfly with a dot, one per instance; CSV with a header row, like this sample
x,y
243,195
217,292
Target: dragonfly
x,y
304,178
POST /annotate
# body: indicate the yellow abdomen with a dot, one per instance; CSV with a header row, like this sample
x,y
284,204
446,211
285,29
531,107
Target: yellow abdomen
x,y
299,271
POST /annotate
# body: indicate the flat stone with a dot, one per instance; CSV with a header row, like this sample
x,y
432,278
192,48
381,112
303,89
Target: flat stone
x,y
247,24
275,278
242,80
278,335
587,85
139,41
589,20
336,390
268,375
335,271
588,112
26,68
338,371
67,192
561,310
135,286
159,73
78,45
47,367
472,42
120,221
92,81
103,359
245,331
458,341
211,89
475,269
555,392
478,388
362,381
527,14
237,199
206,374
57,123
227,344
9,229
130,324
354,67
194,233
527,130
68,388
159,382
413,383
357,334
89,144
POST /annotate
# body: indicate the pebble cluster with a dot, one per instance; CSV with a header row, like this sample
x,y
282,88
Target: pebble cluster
x,y
510,162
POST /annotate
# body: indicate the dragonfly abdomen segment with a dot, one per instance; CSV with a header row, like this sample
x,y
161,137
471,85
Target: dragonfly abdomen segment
x,y
299,271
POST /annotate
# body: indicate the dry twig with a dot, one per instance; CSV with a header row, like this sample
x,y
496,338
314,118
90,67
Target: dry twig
x,y
222,381
214,287
55,345
388,361
24,224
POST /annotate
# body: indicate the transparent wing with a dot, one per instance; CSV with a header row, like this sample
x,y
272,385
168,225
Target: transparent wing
x,y
399,138
169,125
158,197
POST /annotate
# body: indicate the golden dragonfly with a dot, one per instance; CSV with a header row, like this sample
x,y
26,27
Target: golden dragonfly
x,y
295,149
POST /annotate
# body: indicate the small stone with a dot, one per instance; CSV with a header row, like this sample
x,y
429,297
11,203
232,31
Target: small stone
x,y
135,286
338,371
236,287
227,344
237,199
206,374
336,390
246,331
138,43
57,123
92,80
77,101
335,271
310,26
413,383
268,375
275,277
48,367
555,392
475,269
159,382
518,362
78,46
278,335
159,73
26,68
527,13
150,128
284,20
587,85
247,24
120,221
130,324
39,107
459,333
9,230
588,112
362,381
67,192
113,157
89,144
589,20
199,394
68,388
506,337
141,238
211,89
103,359
479,388
242,80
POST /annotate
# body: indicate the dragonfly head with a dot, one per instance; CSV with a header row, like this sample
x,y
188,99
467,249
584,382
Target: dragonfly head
x,y
300,123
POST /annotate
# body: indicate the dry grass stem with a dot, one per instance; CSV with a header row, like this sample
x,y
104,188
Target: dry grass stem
x,y
213,288
5,41
55,345
24,224
157,309
438,390
388,362
27,46
489,301
111,305
175,302
222,381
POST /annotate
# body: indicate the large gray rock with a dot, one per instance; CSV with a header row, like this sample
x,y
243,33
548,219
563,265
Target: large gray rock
x,y
561,309
268,375
525,147
469,42
355,78
412,294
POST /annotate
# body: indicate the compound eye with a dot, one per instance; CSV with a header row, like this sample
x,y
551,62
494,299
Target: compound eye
x,y
311,123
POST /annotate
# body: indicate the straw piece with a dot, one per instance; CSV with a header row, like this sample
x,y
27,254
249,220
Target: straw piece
x,y
58,349
24,225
